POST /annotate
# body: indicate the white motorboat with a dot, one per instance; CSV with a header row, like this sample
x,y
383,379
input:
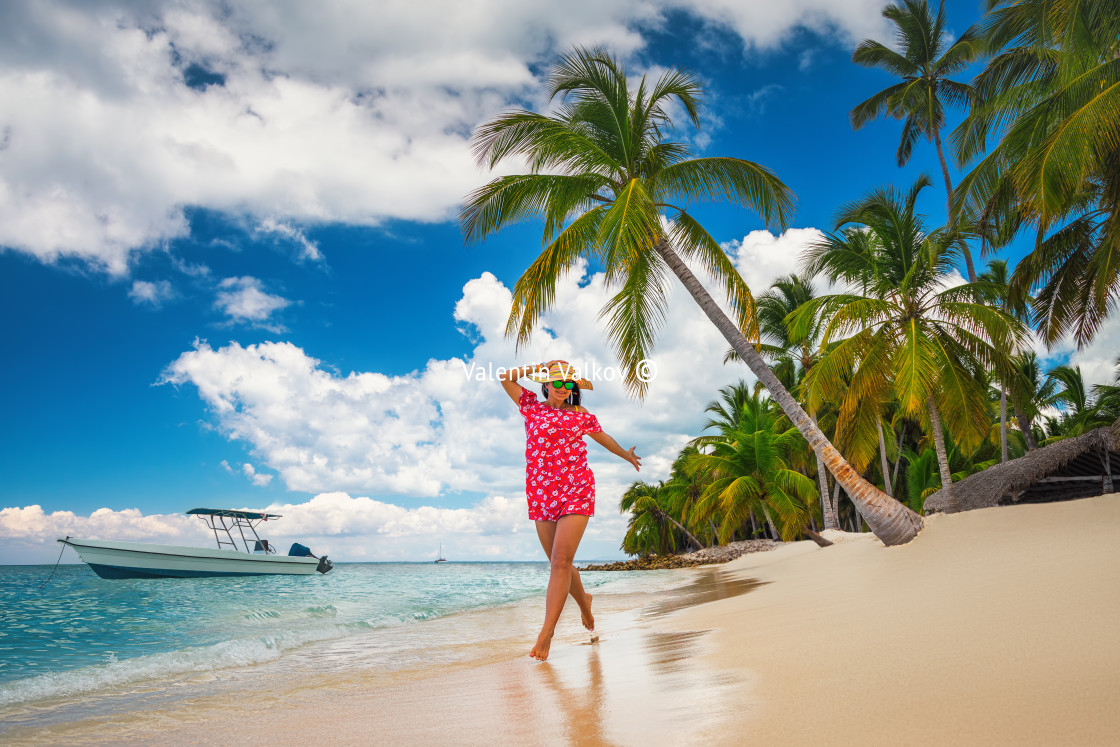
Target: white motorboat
x,y
253,557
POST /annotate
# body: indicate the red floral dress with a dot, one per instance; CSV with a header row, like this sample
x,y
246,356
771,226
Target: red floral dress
x,y
557,478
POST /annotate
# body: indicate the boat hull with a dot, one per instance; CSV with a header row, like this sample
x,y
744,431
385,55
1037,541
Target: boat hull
x,y
110,559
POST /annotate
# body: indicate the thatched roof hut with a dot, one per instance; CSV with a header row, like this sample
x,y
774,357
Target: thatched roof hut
x,y
1076,467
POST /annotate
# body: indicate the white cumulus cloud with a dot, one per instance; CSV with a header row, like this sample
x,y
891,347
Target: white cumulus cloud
x,y
154,294
245,300
260,479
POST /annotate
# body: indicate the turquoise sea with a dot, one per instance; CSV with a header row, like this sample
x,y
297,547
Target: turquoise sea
x,y
82,645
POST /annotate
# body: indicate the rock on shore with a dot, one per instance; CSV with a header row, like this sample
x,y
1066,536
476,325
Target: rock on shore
x,y
707,556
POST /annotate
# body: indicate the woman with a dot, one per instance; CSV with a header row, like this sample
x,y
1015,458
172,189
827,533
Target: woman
x,y
559,486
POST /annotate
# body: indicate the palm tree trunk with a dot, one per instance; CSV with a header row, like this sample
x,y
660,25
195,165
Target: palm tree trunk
x,y
715,536
951,506
1107,486
949,204
773,529
1003,424
1025,425
828,511
898,453
691,538
836,501
754,527
886,464
891,522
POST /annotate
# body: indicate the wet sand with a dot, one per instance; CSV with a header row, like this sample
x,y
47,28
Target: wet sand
x,y
992,627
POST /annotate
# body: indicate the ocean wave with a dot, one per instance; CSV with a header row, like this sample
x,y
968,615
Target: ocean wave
x,y
242,652
118,673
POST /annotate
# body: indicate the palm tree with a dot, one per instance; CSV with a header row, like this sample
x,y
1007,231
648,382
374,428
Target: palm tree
x,y
735,402
924,65
1031,392
912,339
1051,94
747,472
650,527
609,186
1082,412
682,493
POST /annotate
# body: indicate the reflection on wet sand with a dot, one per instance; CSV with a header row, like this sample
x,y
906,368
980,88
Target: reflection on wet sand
x,y
707,587
638,686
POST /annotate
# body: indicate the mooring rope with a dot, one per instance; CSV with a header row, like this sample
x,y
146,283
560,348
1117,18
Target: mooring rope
x,y
55,563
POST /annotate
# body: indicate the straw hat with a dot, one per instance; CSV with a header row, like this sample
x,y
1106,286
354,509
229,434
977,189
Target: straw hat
x,y
559,371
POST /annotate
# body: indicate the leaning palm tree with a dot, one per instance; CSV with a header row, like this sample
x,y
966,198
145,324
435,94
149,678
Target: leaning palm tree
x,y
924,64
1051,95
912,339
611,187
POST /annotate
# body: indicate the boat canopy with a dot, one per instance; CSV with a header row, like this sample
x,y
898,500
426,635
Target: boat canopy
x,y
231,513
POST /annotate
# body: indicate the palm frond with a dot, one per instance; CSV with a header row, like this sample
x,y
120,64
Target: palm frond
x,y
535,291
734,180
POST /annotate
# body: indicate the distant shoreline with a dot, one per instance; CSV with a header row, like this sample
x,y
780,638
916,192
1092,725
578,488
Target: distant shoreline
x,y
706,556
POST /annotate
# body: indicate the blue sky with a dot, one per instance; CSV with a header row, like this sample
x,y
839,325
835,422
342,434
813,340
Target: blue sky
x,y
227,238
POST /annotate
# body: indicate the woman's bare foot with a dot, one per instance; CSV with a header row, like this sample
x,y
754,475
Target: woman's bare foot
x,y
586,616
540,651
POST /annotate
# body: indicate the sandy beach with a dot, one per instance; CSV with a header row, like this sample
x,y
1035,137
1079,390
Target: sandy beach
x,y
995,626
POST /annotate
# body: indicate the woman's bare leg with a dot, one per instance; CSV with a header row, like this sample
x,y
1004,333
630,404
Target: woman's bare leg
x,y
546,532
569,531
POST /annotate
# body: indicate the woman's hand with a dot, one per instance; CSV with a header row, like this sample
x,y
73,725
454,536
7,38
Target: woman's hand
x,y
607,442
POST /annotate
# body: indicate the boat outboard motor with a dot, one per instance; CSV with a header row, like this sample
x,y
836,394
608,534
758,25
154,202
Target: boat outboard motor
x,y
301,551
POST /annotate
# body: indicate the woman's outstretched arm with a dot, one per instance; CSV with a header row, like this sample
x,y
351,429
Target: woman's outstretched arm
x,y
607,442
510,376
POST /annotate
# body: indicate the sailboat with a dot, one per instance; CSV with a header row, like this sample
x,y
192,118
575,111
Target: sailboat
x,y
440,558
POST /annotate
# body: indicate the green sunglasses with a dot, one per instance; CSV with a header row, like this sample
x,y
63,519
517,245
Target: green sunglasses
x,y
563,385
